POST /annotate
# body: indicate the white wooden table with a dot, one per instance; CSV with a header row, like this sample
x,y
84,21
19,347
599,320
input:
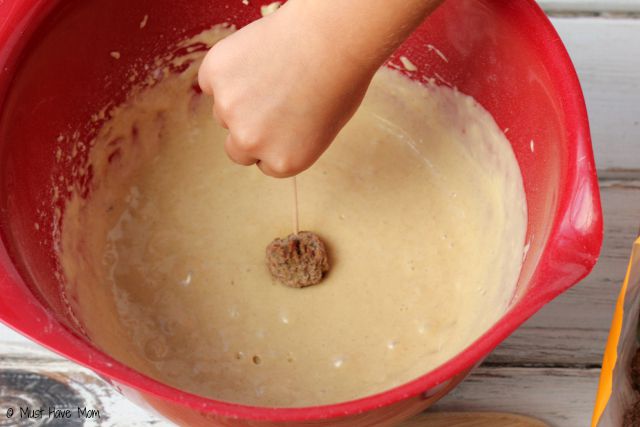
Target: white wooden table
x,y
549,368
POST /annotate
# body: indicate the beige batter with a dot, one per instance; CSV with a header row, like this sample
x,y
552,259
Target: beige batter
x,y
419,200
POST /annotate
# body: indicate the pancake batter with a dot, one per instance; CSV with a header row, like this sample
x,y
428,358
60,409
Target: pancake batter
x,y
419,200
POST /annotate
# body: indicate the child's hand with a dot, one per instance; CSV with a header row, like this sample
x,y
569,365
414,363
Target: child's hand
x,y
283,93
286,84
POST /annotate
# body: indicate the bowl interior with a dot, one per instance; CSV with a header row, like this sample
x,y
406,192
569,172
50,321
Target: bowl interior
x,y
505,54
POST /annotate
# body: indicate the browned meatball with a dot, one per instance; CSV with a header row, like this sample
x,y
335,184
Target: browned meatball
x,y
299,260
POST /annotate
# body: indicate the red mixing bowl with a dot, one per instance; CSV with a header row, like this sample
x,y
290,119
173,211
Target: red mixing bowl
x,y
56,71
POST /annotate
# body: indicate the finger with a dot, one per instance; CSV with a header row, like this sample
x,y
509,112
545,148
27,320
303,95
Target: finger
x,y
237,155
204,77
203,82
218,119
275,172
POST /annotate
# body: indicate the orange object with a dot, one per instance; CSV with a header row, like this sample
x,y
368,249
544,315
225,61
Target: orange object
x,y
611,352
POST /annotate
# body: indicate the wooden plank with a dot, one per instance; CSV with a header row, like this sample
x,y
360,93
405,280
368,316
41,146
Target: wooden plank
x,y
472,419
606,54
557,396
55,382
590,5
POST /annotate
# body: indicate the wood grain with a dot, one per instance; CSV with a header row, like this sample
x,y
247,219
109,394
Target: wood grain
x,y
619,6
47,368
472,419
561,397
606,54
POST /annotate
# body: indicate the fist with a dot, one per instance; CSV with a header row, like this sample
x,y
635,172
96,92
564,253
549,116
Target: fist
x,y
284,89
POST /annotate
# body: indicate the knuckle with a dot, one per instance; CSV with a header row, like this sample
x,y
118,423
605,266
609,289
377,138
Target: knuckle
x,y
212,69
245,138
283,166
204,81
207,74
224,106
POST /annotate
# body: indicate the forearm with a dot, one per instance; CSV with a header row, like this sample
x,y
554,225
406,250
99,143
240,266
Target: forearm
x,y
367,31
